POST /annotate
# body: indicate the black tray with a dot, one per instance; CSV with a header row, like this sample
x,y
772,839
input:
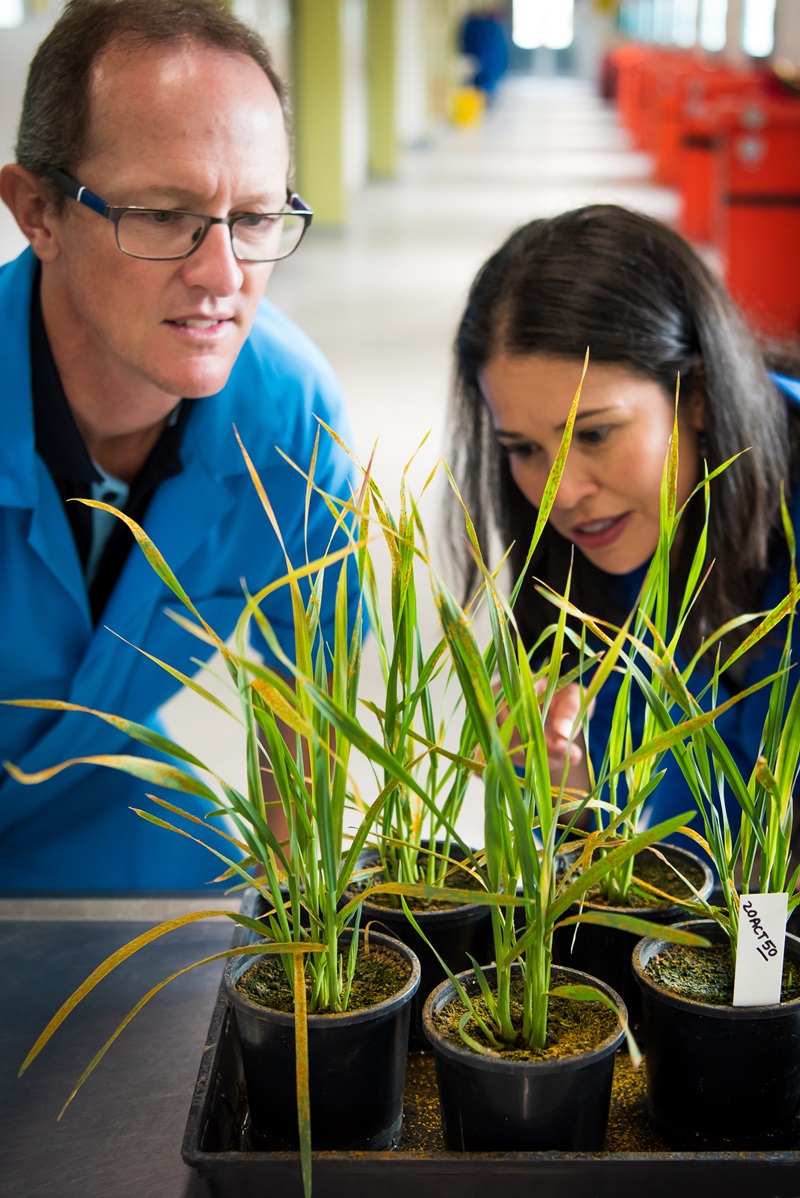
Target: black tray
x,y
634,1162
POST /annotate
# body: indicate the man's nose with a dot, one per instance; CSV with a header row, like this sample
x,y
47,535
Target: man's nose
x,y
213,265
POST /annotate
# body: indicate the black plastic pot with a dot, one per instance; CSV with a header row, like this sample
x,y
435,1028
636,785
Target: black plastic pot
x,y
490,1104
606,952
720,1077
357,1065
457,933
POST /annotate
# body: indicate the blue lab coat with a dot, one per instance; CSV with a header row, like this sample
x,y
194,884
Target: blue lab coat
x,y
76,831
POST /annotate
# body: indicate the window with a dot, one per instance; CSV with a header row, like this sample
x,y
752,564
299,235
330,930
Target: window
x,y
684,24
12,13
662,22
543,23
758,27
713,24
628,17
646,20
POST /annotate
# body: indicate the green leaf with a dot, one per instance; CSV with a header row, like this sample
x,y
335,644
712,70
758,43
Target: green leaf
x,y
639,927
139,732
616,856
159,773
122,954
97,1058
303,1079
589,994
158,564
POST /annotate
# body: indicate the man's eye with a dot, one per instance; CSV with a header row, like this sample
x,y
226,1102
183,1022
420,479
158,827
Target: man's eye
x,y
257,221
161,216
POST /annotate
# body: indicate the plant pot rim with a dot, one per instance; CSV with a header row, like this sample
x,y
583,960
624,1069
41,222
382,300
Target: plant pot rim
x,y
458,911
452,911
241,963
649,947
577,1060
665,909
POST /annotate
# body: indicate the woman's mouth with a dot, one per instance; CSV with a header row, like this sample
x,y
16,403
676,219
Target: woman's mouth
x,y
598,534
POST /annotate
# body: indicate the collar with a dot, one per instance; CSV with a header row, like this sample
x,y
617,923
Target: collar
x,y
57,439
247,399
19,484
790,387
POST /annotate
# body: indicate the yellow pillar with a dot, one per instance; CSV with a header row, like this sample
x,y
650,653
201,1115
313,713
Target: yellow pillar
x,y
442,20
381,87
318,103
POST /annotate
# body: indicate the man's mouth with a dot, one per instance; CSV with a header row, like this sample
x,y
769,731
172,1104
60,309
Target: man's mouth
x,y
196,322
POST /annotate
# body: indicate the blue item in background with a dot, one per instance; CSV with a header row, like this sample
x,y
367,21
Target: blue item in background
x,y
484,38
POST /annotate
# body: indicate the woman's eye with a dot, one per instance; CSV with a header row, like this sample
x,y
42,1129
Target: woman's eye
x,y
518,449
593,436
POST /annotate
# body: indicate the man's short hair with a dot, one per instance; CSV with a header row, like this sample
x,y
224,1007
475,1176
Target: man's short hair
x,y
55,123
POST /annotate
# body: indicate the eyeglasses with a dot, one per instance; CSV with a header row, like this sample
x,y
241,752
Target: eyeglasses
x,y
162,234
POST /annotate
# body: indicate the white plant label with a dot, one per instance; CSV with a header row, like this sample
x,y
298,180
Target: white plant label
x,y
759,949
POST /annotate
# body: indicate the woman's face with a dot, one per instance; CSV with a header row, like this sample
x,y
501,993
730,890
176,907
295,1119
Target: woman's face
x,y
608,502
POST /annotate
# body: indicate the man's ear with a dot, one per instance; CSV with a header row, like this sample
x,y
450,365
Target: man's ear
x,y
23,192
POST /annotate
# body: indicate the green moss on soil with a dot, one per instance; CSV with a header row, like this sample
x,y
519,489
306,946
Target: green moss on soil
x,y
457,879
572,1027
650,868
706,974
630,1128
380,974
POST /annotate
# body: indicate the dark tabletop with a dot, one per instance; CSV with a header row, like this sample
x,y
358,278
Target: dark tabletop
x,y
121,1136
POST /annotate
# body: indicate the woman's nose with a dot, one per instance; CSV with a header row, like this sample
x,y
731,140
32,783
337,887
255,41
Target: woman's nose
x,y
577,483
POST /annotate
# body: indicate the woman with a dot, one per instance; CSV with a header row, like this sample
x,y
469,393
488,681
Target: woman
x,y
635,295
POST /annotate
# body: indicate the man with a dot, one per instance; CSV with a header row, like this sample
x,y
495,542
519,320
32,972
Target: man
x,y
135,340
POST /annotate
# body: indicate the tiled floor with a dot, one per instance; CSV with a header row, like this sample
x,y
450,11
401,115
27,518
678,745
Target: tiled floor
x,y
382,300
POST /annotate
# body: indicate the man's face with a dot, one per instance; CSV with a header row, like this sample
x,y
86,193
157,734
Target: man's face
x,y
196,129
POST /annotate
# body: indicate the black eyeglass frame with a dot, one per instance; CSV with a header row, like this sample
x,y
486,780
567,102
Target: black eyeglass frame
x,y
82,195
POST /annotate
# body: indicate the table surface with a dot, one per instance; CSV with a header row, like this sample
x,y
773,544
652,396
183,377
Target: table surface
x,y
121,1136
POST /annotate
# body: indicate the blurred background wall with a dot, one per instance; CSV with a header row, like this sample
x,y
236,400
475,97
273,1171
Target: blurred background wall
x,y
369,77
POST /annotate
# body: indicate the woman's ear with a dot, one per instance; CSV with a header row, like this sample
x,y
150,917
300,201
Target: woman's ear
x,y
23,192
695,410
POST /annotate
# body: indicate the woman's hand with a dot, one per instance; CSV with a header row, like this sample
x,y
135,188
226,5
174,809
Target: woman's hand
x,y
561,715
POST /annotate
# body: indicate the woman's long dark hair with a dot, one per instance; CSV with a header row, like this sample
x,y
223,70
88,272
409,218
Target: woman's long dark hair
x,y
635,294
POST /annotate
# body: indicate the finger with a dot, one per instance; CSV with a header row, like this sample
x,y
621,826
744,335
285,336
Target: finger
x,y
561,728
559,746
576,754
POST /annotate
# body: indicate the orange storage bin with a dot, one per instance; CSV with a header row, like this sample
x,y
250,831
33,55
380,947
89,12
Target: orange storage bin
x,y
694,86
704,129
661,75
627,61
667,148
758,230
638,70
